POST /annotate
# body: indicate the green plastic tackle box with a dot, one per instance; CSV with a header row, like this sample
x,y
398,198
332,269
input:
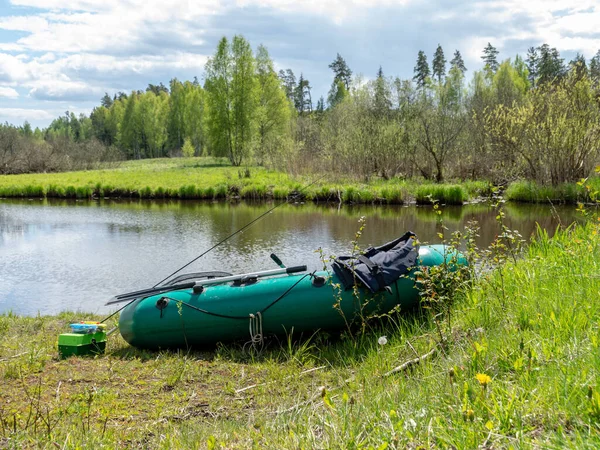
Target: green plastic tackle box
x,y
81,344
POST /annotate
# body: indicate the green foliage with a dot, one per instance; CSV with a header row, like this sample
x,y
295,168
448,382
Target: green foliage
x,y
458,62
187,149
553,134
421,70
273,113
302,96
490,58
549,65
428,194
438,65
531,192
510,82
233,94
438,121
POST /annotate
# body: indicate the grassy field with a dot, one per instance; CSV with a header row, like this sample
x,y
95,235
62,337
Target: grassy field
x,y
211,178
520,368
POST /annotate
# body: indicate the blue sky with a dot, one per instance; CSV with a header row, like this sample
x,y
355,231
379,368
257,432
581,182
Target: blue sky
x,y
57,56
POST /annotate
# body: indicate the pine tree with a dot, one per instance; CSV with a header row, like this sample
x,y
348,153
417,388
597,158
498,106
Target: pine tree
x,y
579,66
382,102
288,81
438,65
458,63
489,57
320,105
532,62
302,99
299,95
341,71
421,70
106,100
595,67
342,76
306,90
550,65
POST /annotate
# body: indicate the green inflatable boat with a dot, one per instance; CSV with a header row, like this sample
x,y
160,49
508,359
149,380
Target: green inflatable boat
x,y
201,309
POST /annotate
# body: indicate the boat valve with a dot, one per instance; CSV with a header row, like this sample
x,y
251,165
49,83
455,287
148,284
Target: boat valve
x,y
162,303
199,289
318,281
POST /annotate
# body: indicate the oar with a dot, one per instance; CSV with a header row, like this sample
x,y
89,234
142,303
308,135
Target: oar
x,y
264,273
191,284
149,292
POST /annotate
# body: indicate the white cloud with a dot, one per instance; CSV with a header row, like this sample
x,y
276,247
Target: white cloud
x,y
8,92
31,24
13,68
63,90
26,114
337,10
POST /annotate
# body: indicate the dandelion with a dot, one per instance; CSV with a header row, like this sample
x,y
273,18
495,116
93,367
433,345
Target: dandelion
x,y
470,415
483,379
382,340
410,424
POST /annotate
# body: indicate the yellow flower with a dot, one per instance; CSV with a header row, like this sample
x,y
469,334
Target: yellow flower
x,y
483,379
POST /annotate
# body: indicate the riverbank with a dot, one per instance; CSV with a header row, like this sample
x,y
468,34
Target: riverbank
x,y
214,178
519,369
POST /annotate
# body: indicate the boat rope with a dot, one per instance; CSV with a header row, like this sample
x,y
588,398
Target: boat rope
x,y
256,319
222,241
256,330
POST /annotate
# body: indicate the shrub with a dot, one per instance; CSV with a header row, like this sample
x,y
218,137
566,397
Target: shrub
x,y
449,194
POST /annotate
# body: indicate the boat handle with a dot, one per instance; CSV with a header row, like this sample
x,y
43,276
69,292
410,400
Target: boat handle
x,y
295,269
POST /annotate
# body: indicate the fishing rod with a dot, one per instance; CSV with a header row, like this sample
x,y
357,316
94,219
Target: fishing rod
x,y
157,288
242,278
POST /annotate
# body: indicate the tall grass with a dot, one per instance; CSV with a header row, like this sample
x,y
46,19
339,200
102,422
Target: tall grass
x,y
449,194
531,192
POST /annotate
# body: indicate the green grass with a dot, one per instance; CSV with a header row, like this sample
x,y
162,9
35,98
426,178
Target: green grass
x,y
449,194
209,178
531,192
532,326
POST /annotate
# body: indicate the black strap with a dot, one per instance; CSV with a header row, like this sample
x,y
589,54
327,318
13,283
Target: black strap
x,y
375,271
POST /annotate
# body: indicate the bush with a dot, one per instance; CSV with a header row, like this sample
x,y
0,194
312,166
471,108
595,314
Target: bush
x,y
449,194
188,149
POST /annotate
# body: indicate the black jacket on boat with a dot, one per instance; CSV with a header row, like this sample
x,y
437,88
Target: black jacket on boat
x,y
378,267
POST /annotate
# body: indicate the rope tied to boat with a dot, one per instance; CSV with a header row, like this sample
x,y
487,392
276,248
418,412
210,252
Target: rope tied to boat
x,y
256,330
256,319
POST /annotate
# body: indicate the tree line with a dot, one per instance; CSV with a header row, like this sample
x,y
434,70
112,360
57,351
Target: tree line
x,y
535,117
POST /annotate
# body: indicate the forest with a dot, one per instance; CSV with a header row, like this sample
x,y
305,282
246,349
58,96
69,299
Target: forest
x,y
535,117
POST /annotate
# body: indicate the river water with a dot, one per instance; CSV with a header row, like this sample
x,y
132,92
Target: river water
x,y
74,255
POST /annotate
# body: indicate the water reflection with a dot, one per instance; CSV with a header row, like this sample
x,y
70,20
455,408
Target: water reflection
x,y
59,255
